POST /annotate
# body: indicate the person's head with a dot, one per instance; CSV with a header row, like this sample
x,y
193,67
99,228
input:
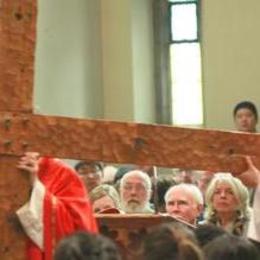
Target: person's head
x,y
184,201
207,232
204,180
245,116
90,172
104,197
82,245
186,176
226,194
121,171
109,173
171,241
230,247
163,184
135,191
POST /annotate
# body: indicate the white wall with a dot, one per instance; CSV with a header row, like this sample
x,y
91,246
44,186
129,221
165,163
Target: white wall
x,y
68,79
143,61
94,59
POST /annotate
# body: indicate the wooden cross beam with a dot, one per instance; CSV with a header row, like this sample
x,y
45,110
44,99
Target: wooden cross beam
x,y
21,131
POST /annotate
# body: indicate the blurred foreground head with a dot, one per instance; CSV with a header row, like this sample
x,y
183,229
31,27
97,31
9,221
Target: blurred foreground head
x,y
82,246
171,241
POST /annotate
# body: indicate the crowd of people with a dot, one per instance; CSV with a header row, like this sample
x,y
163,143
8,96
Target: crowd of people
x,y
59,216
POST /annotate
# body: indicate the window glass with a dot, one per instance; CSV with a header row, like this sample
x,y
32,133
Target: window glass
x,y
187,107
184,22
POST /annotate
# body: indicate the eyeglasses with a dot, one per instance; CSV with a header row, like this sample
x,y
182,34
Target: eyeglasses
x,y
90,174
136,187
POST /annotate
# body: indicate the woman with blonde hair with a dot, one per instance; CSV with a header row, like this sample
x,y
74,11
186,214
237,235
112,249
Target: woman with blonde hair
x,y
227,204
104,198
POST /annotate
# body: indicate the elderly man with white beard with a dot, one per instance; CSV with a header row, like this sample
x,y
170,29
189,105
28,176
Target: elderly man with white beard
x,y
135,192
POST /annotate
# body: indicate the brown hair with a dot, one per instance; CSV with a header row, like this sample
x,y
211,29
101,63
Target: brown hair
x,y
171,241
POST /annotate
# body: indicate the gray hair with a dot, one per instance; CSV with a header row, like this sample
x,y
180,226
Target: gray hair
x,y
137,173
190,188
239,189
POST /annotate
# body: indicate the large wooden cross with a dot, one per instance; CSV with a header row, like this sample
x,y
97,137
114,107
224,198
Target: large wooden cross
x,y
21,130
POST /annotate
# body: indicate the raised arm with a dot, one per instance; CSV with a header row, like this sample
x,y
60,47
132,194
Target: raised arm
x,y
31,214
251,178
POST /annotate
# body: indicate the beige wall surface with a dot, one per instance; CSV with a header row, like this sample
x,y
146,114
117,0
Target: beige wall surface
x,y
127,55
143,61
94,59
117,60
230,58
68,79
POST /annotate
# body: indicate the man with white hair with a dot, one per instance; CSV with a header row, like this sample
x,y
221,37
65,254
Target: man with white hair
x,y
185,202
135,192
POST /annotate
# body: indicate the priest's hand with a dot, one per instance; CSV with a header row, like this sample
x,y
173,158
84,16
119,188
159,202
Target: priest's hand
x,y
29,162
251,177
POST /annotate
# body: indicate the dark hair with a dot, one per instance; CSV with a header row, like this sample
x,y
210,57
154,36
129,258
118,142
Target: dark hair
x,y
121,171
95,165
82,246
171,241
208,232
248,105
230,247
163,184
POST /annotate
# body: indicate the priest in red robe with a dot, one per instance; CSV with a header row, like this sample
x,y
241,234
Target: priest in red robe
x,y
58,206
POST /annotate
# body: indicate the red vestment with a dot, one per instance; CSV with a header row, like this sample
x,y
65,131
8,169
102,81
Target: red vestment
x,y
66,207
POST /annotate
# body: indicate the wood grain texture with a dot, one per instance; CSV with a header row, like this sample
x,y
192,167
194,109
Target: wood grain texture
x,y
13,194
131,221
118,142
17,44
129,230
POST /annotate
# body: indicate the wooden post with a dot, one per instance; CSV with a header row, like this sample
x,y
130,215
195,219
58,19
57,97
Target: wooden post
x,y
17,42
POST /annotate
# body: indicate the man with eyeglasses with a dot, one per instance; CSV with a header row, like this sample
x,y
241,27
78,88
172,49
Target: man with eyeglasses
x,y
90,172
